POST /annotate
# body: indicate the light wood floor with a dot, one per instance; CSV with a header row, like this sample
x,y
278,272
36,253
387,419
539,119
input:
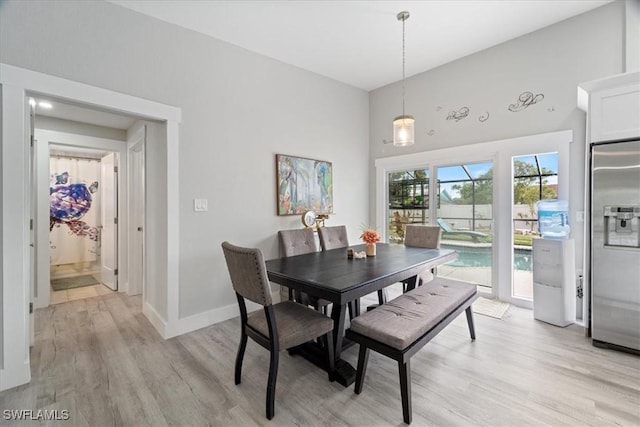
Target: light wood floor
x,y
100,359
66,295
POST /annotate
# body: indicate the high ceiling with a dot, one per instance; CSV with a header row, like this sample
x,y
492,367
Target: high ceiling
x,y
360,42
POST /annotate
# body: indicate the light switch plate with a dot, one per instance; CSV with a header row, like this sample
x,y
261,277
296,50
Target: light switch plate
x,y
200,205
580,216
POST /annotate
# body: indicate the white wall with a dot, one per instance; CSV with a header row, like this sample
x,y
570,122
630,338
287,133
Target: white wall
x,y
552,61
68,126
239,110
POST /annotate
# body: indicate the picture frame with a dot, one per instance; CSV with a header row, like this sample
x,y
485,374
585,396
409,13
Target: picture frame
x,y
303,184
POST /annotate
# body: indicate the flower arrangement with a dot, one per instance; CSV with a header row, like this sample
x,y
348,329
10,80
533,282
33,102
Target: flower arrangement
x,y
370,236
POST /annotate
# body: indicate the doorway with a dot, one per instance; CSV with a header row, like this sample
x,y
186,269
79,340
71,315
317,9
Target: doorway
x,y
465,215
535,178
82,219
463,209
160,304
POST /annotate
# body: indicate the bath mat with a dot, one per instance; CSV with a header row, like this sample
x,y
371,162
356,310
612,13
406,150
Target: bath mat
x,y
490,307
73,282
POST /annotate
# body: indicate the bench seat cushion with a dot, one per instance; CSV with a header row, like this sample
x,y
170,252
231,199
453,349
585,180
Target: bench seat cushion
x,y
401,321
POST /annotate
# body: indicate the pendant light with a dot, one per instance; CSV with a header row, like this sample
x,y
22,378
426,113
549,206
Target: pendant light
x,y
403,126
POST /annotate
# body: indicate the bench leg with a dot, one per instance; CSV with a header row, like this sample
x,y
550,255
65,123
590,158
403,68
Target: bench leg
x,y
405,390
472,330
363,358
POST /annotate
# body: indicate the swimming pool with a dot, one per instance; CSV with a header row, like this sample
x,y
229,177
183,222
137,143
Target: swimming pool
x,y
481,257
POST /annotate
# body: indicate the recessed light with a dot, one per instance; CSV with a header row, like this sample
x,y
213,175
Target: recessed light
x,y
45,104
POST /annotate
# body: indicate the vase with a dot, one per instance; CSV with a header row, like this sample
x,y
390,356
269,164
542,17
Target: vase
x,y
371,249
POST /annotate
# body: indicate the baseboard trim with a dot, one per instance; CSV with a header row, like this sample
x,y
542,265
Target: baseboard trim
x,y
204,319
156,320
208,318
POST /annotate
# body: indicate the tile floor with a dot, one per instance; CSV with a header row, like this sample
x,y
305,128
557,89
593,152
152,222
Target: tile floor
x,y
74,294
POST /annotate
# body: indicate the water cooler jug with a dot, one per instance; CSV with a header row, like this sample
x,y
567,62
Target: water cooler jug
x,y
554,283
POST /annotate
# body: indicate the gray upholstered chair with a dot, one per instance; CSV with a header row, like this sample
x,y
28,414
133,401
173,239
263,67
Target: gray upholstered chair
x,y
333,237
299,242
278,326
423,236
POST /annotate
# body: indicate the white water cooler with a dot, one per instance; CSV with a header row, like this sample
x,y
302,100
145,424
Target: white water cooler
x,y
554,283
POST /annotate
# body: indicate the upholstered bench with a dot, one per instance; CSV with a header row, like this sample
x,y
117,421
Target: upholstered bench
x,y
402,326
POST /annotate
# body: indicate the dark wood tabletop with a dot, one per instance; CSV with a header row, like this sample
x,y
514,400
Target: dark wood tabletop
x,y
334,277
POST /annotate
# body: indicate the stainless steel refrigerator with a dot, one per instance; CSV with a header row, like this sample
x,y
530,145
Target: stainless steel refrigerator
x,y
615,245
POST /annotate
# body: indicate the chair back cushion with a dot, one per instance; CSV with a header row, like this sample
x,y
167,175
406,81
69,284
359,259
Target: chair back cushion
x,y
297,242
422,236
333,237
248,273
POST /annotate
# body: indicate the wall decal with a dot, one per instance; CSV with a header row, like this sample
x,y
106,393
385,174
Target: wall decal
x,y
551,109
525,100
438,108
431,132
483,118
458,115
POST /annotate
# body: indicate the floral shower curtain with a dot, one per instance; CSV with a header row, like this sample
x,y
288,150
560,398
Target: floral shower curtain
x,y
74,210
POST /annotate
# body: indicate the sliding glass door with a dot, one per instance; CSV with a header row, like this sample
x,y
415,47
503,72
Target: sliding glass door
x,y
465,214
463,209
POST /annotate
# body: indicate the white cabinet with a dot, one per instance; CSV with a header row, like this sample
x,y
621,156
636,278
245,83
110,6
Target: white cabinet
x,y
613,107
615,114
554,284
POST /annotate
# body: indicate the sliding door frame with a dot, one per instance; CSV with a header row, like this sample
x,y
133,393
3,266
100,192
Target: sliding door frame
x,y
500,152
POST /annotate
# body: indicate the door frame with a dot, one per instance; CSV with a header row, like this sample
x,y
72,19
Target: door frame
x,y
390,165
502,152
44,138
163,309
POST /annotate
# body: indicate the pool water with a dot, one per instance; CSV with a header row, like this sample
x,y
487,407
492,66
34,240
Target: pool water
x,y
481,257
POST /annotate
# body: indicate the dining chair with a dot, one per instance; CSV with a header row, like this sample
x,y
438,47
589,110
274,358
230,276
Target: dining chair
x,y
276,327
333,237
299,242
422,236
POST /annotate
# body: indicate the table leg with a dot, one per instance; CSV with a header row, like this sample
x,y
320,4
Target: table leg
x,y
411,283
338,316
345,374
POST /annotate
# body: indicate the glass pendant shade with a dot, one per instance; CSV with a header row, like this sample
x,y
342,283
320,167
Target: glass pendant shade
x,y
403,130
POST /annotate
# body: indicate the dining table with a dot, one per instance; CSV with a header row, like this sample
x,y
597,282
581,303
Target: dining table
x,y
334,276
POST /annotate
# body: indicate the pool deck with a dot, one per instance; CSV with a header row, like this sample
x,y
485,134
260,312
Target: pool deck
x,y
522,280
478,245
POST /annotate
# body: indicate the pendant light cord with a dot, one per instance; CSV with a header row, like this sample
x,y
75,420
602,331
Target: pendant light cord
x,y
403,54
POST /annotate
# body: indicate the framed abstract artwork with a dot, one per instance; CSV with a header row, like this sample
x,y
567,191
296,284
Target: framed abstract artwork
x,y
303,185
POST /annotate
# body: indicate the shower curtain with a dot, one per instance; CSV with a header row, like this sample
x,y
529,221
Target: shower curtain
x,y
74,210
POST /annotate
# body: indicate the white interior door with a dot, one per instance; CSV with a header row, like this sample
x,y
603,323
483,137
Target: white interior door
x,y
109,232
136,212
